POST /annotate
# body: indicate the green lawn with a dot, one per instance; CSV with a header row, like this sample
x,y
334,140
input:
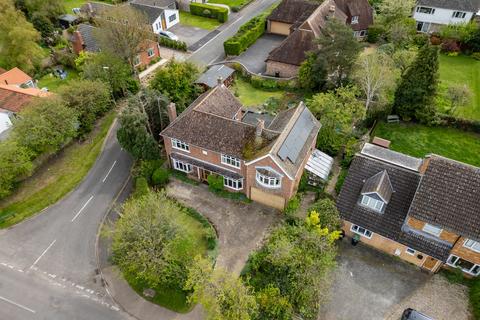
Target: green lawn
x,y
54,179
53,83
250,96
462,70
418,141
231,3
70,4
188,19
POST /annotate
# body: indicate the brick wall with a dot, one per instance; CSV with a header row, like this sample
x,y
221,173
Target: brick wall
x,y
445,235
285,70
389,246
144,58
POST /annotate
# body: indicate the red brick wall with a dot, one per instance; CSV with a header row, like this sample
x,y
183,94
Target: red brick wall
x,y
144,58
77,42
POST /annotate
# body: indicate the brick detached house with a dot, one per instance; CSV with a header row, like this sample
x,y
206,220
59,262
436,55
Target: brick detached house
x,y
302,22
83,39
262,157
425,211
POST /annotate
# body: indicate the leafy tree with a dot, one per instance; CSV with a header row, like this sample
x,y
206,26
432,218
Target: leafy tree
x,y
89,99
459,95
43,25
134,133
50,9
272,305
222,294
327,214
124,33
155,106
14,164
152,243
392,11
312,75
418,86
109,69
394,23
338,50
160,177
176,81
45,125
338,112
18,39
296,259
374,75
403,58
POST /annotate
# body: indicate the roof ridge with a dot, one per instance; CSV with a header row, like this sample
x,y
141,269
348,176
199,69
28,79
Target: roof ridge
x,y
366,156
434,155
224,118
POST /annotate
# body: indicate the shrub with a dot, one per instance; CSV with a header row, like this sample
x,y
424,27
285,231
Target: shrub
x,y
292,205
435,40
450,45
209,11
475,297
215,183
174,44
374,33
341,180
141,187
147,168
476,55
246,35
351,147
160,177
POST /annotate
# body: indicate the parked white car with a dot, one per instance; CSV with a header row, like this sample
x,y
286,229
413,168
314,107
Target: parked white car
x,y
168,34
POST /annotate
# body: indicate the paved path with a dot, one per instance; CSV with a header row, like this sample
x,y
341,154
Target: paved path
x,y
48,263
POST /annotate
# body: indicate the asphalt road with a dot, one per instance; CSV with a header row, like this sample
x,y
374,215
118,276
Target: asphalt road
x,y
48,263
213,51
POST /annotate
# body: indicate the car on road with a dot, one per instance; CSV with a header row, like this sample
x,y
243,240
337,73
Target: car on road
x,y
411,314
168,35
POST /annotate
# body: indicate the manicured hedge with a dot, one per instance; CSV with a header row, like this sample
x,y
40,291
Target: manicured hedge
x,y
169,43
246,36
209,11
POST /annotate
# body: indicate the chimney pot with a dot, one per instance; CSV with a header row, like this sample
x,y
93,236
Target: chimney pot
x,y
172,111
332,8
219,81
259,128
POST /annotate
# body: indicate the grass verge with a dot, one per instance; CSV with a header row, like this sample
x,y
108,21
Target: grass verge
x,y
53,83
189,19
251,96
418,141
56,178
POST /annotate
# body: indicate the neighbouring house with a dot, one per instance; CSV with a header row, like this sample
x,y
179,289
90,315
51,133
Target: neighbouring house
x,y
92,9
83,39
262,157
162,14
302,21
425,211
210,78
431,14
68,20
5,123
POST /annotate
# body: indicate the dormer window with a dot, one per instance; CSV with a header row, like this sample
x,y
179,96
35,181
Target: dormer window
x,y
426,10
354,20
376,192
372,203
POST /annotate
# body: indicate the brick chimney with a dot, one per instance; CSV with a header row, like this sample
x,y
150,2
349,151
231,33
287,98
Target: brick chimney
x,y
424,165
259,130
172,111
77,43
219,81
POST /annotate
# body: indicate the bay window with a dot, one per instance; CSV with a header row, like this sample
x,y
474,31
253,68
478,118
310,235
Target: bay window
x,y
466,266
267,180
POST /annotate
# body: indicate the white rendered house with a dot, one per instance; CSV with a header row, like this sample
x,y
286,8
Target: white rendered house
x,y
431,14
162,14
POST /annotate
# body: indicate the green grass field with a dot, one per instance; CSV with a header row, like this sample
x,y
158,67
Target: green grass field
x,y
418,141
70,4
53,83
462,70
188,19
250,96
56,178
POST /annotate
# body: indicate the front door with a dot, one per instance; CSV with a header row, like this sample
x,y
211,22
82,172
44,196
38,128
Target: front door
x,y
204,174
430,263
164,23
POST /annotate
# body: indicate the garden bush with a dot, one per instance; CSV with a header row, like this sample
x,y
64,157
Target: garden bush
x,y
450,45
160,177
292,205
246,35
215,183
374,33
141,187
209,11
475,298
476,55
174,44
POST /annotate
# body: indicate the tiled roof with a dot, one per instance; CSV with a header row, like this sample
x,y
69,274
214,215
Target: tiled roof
x,y
379,184
449,197
464,5
14,76
152,13
389,223
434,248
293,11
95,8
12,100
294,49
360,8
206,165
155,3
211,76
89,41
220,102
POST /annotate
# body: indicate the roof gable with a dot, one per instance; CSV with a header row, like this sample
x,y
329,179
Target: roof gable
x,y
14,76
464,5
292,11
379,184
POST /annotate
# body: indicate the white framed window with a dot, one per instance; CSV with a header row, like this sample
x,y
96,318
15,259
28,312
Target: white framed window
x,y
459,14
182,166
150,52
361,231
136,60
372,203
354,20
466,266
410,251
426,10
172,18
177,144
232,183
230,161
431,229
472,245
268,181
363,33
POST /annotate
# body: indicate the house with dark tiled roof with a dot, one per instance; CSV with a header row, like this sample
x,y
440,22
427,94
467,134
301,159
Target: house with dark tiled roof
x,y
264,158
425,211
161,14
84,39
430,15
302,22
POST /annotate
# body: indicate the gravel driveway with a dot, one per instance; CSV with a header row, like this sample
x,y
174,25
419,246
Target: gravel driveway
x,y
371,285
241,227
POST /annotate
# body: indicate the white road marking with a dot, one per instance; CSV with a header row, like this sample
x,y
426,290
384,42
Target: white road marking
x,y
81,209
109,171
43,253
17,304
